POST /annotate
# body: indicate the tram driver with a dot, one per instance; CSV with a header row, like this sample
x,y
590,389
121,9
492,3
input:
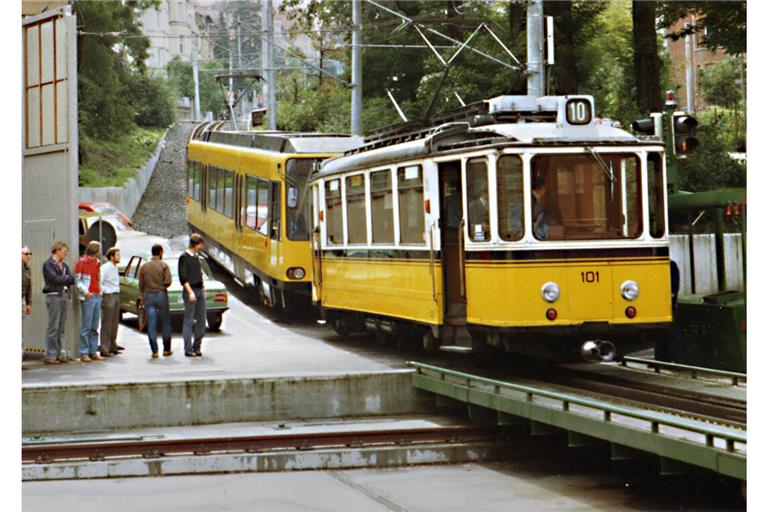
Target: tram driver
x,y
541,219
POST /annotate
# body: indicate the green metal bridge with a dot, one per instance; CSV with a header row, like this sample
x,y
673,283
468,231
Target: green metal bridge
x,y
679,440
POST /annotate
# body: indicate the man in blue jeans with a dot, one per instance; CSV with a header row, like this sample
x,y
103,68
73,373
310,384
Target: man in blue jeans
x,y
154,280
87,275
191,278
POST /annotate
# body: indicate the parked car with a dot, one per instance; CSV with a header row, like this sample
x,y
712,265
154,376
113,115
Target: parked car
x,y
105,209
216,299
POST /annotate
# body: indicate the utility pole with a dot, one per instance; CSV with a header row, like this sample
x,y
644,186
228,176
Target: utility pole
x,y
535,33
357,69
266,59
195,76
240,66
231,94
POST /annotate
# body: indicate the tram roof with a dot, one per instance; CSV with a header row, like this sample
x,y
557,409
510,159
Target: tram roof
x,y
284,142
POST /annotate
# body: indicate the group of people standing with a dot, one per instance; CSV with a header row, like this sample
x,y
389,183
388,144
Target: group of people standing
x,y
97,286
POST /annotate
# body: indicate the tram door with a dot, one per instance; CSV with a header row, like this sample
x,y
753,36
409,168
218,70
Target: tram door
x,y
450,226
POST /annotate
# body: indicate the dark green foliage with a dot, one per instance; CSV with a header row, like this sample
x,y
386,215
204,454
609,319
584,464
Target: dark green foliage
x,y
151,99
710,167
181,82
726,22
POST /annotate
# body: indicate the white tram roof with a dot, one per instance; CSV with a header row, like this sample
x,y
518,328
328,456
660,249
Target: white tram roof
x,y
504,120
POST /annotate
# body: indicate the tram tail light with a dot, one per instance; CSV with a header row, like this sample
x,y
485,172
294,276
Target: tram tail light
x,y
631,312
551,314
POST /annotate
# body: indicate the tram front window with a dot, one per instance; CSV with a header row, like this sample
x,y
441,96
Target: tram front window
x,y
586,196
296,205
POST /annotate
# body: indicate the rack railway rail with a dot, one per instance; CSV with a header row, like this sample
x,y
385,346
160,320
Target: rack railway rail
x,y
49,451
680,439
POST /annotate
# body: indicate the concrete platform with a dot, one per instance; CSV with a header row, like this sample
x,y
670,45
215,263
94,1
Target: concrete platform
x,y
262,366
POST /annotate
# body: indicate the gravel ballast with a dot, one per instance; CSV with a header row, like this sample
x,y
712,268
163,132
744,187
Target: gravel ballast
x,y
162,209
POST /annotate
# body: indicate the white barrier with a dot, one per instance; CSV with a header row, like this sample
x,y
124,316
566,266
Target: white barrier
x,y
705,262
126,198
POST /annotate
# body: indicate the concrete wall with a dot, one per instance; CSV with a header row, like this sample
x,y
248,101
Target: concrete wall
x,y
127,197
83,408
705,262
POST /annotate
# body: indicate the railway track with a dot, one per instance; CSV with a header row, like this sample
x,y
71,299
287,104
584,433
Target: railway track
x,y
50,451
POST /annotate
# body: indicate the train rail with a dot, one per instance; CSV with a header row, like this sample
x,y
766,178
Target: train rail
x,y
688,439
48,451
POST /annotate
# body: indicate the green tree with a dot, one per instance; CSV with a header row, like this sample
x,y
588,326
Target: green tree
x,y
647,64
151,98
725,22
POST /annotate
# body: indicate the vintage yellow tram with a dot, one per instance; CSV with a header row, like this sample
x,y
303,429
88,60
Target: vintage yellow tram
x,y
525,222
247,195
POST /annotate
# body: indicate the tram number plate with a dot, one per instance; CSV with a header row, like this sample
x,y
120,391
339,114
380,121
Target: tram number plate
x,y
590,277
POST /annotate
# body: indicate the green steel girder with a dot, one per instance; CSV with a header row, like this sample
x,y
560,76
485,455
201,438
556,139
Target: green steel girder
x,y
463,387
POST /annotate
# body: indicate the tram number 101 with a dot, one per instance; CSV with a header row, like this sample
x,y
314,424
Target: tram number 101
x,y
590,277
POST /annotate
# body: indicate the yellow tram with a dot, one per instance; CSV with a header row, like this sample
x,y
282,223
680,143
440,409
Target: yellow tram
x,y
524,223
247,195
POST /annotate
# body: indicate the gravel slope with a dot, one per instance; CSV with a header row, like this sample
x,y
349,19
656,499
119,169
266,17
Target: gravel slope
x,y
162,209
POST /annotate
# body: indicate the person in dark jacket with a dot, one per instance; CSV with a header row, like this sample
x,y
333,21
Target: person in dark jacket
x,y
191,279
58,278
26,288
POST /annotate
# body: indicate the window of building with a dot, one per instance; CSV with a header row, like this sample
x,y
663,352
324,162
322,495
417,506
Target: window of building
x,y
584,196
656,213
509,193
333,226
250,202
478,212
382,212
357,231
410,191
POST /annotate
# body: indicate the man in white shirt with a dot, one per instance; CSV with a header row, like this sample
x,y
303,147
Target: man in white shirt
x,y
110,303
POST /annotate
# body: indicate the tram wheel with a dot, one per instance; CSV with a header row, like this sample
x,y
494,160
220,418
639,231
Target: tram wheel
x,y
429,343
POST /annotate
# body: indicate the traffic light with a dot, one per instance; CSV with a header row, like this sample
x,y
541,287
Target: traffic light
x,y
649,126
683,133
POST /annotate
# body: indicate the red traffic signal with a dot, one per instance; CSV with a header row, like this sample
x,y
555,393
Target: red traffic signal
x,y
683,133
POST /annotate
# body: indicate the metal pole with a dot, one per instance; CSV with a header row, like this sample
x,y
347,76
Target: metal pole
x,y
240,66
269,73
357,69
689,93
535,32
196,78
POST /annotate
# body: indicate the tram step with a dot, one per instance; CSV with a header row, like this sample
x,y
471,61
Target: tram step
x,y
458,349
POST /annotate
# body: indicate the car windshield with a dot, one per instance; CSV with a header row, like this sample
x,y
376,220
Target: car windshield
x,y
586,196
297,173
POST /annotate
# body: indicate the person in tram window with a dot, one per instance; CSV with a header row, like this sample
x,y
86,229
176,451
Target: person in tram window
x,y
540,215
478,213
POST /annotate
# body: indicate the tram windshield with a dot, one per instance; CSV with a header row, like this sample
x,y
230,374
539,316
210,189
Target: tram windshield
x,y
296,203
586,196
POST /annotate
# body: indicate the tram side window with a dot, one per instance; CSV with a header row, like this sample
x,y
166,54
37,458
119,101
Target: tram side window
x,y
196,179
228,184
509,173
213,176
333,227
410,191
357,230
250,202
478,216
262,207
220,190
382,213
191,167
656,195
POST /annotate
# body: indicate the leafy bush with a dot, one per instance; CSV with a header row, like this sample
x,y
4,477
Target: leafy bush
x,y
151,99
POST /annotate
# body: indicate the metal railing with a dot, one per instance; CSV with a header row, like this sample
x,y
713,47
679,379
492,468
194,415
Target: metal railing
x,y
695,371
721,449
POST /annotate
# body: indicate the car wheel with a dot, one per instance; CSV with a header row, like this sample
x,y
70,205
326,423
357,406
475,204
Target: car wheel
x,y
214,321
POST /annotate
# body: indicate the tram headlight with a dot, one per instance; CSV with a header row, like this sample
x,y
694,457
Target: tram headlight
x,y
296,273
550,292
630,290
